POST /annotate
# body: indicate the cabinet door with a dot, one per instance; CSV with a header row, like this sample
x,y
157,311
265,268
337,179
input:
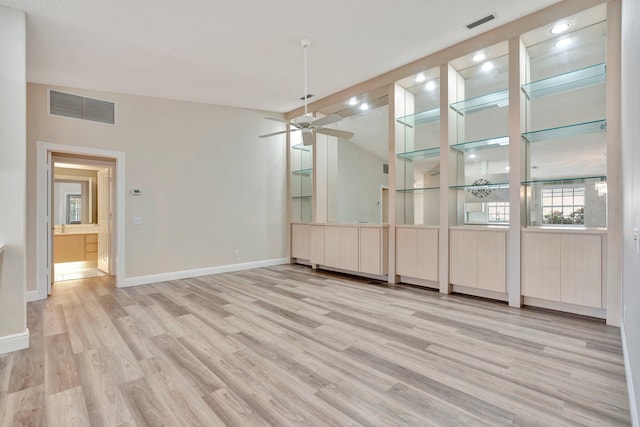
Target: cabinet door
x,y
406,251
541,266
349,248
581,270
300,241
426,254
75,248
59,249
492,261
316,244
332,245
371,250
463,263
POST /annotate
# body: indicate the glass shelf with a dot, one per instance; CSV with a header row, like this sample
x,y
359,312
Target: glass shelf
x,y
301,147
566,131
301,197
482,103
482,144
487,186
305,172
421,118
565,181
585,77
417,190
420,154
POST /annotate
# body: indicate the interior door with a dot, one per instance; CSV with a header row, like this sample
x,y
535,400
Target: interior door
x,y
104,219
49,223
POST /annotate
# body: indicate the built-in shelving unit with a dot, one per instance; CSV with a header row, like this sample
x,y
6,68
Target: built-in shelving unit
x,y
418,152
499,175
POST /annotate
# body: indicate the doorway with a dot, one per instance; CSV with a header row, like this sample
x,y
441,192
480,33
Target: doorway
x,y
106,254
82,206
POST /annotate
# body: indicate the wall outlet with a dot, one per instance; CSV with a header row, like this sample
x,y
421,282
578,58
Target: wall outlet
x,y
636,239
137,220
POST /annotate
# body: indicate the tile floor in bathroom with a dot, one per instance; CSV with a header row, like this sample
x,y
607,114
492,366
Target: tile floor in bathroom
x,y
72,271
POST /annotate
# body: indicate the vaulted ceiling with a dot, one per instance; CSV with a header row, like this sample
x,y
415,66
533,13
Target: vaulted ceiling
x,y
243,53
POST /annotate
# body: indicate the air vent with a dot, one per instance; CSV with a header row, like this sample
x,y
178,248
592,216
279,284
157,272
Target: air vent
x,y
481,21
79,107
385,168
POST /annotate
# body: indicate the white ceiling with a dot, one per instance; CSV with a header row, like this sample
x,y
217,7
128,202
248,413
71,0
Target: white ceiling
x,y
241,53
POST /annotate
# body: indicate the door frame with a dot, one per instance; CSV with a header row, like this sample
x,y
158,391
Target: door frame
x,y
117,236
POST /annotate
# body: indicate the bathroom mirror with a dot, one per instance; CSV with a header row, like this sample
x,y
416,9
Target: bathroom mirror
x,y
74,196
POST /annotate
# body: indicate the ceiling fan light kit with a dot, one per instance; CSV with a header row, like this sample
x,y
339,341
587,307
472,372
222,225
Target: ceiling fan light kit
x,y
306,123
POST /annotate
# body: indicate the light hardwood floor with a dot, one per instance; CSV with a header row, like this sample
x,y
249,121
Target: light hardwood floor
x,y
291,346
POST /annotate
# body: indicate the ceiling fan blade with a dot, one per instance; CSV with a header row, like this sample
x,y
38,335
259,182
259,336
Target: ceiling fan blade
x,y
307,138
335,132
273,134
327,120
277,119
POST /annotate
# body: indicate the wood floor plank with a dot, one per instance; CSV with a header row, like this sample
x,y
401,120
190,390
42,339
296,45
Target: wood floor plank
x,y
67,409
59,364
289,345
105,401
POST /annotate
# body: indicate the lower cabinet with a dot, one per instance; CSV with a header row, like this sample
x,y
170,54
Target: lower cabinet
x,y
417,252
363,249
75,247
300,241
563,267
478,259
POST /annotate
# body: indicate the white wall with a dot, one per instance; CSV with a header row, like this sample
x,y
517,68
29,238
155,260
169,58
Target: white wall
x,y
12,172
631,187
210,185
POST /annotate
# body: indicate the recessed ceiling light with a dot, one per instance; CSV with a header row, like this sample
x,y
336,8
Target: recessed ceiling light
x,y
560,28
564,42
420,78
364,106
480,56
353,100
488,66
472,156
431,85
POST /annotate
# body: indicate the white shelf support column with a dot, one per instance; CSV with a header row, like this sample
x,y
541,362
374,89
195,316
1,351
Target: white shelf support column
x,y
517,213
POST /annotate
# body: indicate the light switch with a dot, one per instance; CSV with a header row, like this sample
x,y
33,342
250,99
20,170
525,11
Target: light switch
x,y
137,220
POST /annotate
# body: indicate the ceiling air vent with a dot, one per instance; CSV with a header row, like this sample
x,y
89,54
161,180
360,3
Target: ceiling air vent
x,y
79,107
385,168
481,21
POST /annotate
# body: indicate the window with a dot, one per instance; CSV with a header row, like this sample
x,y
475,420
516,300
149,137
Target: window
x,y
74,208
498,211
563,205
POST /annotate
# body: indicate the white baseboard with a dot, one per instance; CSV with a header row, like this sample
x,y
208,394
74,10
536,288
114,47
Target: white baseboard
x,y
635,420
9,343
185,274
34,296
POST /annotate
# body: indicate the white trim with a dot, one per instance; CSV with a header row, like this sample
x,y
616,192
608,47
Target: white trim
x,y
41,191
635,419
185,274
34,296
9,343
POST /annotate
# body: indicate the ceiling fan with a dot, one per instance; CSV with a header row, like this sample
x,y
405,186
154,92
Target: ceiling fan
x,y
307,124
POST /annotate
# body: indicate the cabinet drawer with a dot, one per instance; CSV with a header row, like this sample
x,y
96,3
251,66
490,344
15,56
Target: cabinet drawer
x,y
91,238
91,247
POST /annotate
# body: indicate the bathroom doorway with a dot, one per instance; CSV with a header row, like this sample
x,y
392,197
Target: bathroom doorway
x,y
82,204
